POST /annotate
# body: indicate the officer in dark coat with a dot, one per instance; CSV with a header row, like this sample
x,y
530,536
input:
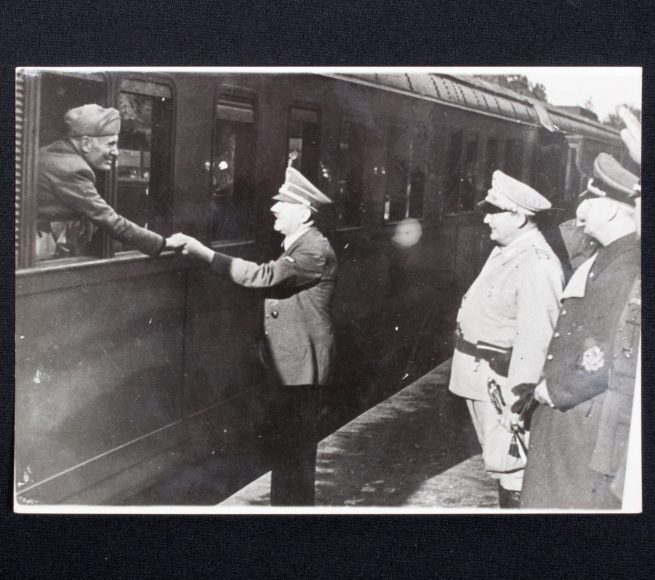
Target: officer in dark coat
x,y
565,468
67,194
298,331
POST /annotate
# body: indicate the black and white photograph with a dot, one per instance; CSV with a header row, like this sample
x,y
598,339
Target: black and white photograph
x,y
327,290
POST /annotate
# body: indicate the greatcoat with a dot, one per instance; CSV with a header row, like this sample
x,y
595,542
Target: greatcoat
x,y
298,306
67,191
561,465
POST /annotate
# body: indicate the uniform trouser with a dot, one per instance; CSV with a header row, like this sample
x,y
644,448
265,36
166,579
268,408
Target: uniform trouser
x,y
495,440
296,417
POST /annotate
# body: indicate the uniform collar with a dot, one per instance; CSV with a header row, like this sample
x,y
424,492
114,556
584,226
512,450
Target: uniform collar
x,y
517,246
290,240
578,282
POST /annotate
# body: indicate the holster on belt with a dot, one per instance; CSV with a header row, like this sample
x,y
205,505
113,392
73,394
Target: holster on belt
x,y
498,357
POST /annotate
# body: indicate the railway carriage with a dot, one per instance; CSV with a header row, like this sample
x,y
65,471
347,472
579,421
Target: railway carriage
x,y
137,379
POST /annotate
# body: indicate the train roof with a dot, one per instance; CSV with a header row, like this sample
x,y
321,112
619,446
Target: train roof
x,y
472,93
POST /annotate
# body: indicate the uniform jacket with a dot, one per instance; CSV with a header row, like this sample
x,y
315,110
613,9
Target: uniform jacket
x,y
513,303
67,191
577,372
298,306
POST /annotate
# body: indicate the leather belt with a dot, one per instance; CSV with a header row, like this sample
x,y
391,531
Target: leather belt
x,y
498,357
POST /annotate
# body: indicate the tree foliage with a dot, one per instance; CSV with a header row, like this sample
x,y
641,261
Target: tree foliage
x,y
613,119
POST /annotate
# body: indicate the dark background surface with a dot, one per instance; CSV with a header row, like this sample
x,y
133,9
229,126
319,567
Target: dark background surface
x,y
463,32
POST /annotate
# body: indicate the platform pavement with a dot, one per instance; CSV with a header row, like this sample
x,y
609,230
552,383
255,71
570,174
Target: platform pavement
x,y
416,449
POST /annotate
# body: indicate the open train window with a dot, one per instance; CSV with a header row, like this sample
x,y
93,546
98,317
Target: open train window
x,y
304,141
461,192
233,168
58,231
351,173
405,173
144,169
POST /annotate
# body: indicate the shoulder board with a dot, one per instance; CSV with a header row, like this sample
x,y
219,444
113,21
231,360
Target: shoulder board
x,y
289,259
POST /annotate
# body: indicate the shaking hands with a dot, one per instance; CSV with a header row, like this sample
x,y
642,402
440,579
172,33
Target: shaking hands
x,y
189,247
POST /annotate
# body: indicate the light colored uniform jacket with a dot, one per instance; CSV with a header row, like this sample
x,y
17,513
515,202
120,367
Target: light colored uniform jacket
x,y
513,303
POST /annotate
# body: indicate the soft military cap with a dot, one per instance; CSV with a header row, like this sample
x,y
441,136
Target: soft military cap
x,y
93,121
509,194
298,189
610,179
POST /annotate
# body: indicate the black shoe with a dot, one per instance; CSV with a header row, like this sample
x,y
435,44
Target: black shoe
x,y
508,498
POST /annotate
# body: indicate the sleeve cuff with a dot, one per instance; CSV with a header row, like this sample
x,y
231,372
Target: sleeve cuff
x,y
221,263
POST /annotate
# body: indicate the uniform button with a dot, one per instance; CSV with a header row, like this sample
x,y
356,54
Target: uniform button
x,y
556,335
563,312
591,275
550,357
275,314
267,316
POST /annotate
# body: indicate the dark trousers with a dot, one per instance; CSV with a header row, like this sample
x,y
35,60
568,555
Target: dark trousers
x,y
296,412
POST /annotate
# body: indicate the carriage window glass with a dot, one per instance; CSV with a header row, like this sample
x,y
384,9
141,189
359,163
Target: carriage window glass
x,y
405,173
467,187
304,141
453,172
233,169
144,172
491,161
351,155
398,171
513,164
61,231
417,176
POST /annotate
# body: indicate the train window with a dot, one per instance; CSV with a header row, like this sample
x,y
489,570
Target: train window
x,y
351,173
233,168
144,173
60,231
304,141
513,163
491,161
461,192
405,174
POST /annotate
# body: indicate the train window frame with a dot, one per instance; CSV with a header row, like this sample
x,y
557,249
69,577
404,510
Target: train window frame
x,y
307,109
29,97
454,180
235,105
415,132
148,86
353,120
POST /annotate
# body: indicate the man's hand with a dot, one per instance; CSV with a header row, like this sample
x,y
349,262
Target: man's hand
x,y
191,247
541,394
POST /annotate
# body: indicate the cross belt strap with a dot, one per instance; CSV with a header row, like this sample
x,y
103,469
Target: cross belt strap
x,y
498,357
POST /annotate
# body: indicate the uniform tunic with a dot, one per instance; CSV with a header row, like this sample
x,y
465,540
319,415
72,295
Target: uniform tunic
x,y
512,304
67,191
559,472
298,306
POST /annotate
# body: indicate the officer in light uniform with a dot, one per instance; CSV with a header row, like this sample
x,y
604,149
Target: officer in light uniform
x,y
504,325
298,330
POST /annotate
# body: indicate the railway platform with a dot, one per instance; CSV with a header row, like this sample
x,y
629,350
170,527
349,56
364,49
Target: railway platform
x,y
416,449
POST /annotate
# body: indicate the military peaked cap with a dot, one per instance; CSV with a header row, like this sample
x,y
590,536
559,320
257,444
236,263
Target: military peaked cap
x,y
509,194
298,189
93,121
610,179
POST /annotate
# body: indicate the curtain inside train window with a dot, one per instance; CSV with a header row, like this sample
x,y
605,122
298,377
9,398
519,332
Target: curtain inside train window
x,y
304,142
61,231
351,169
144,168
233,168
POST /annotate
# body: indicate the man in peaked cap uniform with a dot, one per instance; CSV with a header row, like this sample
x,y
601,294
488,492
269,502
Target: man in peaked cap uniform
x,y
566,467
503,326
297,327
67,193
